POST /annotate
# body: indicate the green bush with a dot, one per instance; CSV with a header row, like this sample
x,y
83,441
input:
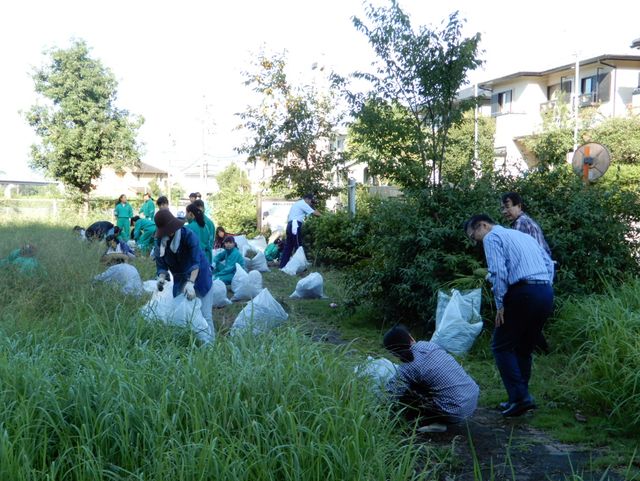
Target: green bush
x,y
602,334
405,249
335,239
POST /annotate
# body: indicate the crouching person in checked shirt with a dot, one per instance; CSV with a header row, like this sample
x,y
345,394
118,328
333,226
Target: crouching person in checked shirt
x,y
520,272
430,383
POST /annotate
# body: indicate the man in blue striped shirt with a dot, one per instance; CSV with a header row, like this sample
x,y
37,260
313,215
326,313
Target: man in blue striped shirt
x,y
430,383
521,274
512,210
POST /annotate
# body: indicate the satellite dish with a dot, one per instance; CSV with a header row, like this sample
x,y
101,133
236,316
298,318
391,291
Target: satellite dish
x,y
591,161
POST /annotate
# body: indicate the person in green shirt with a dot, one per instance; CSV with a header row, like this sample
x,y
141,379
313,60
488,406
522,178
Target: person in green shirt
x,y
22,259
123,213
225,262
148,208
210,225
196,223
143,233
273,250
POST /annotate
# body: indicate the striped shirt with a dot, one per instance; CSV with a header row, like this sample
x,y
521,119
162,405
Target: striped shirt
x,y
526,224
513,256
434,371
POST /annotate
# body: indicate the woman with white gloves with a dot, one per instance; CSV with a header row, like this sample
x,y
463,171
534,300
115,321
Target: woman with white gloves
x,y
179,253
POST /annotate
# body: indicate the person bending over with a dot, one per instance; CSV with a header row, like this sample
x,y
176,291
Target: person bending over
x,y
430,383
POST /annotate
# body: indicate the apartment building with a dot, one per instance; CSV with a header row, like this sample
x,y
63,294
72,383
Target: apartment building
x,y
608,83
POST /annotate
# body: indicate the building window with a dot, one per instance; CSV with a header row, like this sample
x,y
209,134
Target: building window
x,y
501,103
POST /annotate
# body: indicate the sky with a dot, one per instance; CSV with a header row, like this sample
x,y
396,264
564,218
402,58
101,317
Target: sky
x,y
179,64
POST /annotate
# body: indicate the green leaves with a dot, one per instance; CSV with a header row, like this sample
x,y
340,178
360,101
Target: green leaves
x,y
401,126
291,128
80,129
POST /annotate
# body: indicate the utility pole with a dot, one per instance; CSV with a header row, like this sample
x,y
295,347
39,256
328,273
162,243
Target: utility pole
x,y
475,128
576,102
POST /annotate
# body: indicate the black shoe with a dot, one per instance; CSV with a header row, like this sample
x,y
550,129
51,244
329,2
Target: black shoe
x,y
518,409
505,405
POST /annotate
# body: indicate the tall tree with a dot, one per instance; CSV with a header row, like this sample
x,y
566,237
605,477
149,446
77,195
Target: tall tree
x,y
80,128
291,128
406,117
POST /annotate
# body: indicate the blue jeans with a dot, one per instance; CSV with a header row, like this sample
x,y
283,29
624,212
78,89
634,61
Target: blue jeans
x,y
526,309
291,243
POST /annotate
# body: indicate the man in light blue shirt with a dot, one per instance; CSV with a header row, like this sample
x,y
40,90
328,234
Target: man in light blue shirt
x,y
521,274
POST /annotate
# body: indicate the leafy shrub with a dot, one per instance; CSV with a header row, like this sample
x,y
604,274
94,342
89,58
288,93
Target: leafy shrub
x,y
416,245
622,138
335,239
589,230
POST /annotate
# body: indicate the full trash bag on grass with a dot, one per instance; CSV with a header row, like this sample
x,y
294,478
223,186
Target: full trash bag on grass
x,y
310,287
256,263
458,321
379,371
248,287
124,275
178,311
297,264
260,314
220,298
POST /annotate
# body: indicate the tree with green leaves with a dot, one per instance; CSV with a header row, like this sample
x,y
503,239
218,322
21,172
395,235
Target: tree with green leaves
x,y
234,206
81,130
291,128
404,121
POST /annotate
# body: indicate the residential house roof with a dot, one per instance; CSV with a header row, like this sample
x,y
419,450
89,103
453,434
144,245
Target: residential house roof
x,y
608,58
144,168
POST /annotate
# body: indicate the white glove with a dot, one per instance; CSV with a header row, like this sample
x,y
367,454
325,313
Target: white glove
x,y
162,278
189,291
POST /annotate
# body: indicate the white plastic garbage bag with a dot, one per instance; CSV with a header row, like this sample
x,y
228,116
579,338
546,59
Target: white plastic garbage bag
x,y
380,371
297,264
260,315
238,278
151,287
258,263
217,251
249,287
219,292
179,311
310,287
458,321
124,275
258,244
242,243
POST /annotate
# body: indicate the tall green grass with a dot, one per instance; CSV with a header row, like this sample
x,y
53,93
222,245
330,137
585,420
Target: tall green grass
x,y
90,391
602,333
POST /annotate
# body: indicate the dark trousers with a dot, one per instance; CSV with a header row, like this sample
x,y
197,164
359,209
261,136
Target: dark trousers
x,y
291,243
420,407
526,309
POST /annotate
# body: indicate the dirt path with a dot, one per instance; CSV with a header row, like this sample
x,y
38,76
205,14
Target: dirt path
x,y
513,450
504,449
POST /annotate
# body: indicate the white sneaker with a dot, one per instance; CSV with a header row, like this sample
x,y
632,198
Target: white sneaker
x,y
433,428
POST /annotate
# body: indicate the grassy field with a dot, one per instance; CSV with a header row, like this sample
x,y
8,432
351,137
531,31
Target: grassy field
x,y
89,390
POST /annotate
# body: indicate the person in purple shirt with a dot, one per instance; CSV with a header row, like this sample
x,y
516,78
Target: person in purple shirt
x,y
521,274
429,383
513,210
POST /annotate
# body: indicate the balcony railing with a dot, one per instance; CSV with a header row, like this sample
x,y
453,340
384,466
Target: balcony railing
x,y
585,100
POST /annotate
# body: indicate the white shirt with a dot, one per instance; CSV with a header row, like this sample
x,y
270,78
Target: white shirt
x,y
299,211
